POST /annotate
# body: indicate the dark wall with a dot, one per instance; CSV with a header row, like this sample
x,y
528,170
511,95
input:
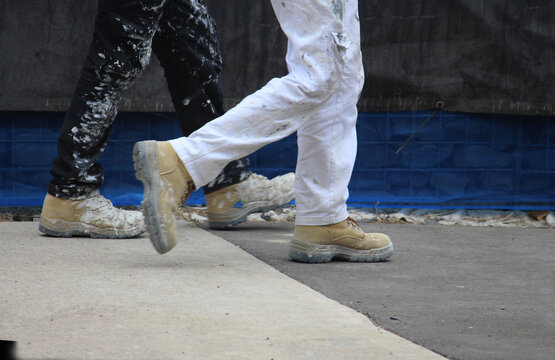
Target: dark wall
x,y
44,44
490,56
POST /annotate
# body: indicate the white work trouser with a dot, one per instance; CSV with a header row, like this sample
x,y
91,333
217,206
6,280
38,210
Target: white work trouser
x,y
317,98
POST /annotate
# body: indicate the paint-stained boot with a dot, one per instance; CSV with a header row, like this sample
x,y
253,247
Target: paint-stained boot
x,y
231,205
94,216
167,184
341,241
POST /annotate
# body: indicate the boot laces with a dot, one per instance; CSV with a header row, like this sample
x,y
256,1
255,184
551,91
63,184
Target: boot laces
x,y
187,192
352,223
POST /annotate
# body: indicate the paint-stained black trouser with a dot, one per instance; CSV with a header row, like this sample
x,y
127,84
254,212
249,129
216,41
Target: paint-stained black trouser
x,y
183,36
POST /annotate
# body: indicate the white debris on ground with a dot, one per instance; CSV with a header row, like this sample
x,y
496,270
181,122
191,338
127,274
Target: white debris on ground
x,y
491,218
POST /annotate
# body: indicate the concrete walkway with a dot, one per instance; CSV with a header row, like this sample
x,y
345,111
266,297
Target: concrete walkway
x,y
207,299
468,293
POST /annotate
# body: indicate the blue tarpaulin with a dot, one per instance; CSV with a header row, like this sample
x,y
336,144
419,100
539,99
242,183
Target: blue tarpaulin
x,y
456,161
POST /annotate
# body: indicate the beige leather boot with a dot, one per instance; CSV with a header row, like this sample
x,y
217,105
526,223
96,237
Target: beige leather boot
x,y
231,205
341,241
167,184
95,217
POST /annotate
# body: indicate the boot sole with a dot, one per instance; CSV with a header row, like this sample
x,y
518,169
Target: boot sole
x,y
306,252
65,229
145,159
239,215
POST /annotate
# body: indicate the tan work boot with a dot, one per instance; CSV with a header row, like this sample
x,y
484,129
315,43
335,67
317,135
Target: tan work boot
x,y
231,205
341,241
167,184
95,217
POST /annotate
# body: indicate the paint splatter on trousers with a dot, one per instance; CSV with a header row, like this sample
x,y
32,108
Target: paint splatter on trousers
x,y
183,36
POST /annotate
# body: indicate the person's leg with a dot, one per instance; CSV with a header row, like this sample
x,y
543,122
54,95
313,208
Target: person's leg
x,y
327,151
187,46
328,142
315,61
119,52
317,52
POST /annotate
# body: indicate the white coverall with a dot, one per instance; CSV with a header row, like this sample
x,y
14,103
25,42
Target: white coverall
x,y
317,99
